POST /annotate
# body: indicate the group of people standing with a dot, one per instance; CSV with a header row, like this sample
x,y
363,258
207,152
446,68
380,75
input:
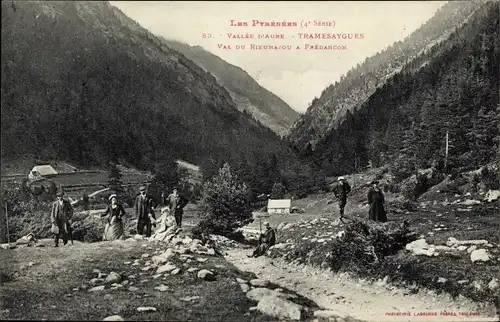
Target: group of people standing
x,y
375,198
144,209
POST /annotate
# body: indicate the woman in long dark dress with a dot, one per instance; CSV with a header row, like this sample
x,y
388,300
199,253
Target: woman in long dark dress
x,y
115,213
376,201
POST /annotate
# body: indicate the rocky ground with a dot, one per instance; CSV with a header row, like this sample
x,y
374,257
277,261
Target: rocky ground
x,y
138,280
448,271
359,299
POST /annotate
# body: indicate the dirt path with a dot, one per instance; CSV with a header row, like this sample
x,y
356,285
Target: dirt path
x,y
362,301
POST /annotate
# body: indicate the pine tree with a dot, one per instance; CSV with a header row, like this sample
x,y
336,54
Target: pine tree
x,y
166,173
225,203
114,178
278,191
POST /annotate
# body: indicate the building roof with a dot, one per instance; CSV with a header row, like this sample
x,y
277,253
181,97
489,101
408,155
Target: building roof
x,y
279,203
188,165
44,170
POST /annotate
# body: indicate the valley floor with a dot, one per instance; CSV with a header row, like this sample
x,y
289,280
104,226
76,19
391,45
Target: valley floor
x,y
366,301
53,284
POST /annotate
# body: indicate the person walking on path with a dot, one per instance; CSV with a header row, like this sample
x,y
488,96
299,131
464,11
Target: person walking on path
x,y
376,201
60,215
341,190
115,213
143,207
176,204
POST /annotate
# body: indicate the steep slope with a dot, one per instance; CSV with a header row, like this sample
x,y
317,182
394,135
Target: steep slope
x,y
82,82
330,109
450,90
248,95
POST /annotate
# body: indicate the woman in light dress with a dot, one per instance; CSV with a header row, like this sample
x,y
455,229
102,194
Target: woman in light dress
x,y
166,226
115,213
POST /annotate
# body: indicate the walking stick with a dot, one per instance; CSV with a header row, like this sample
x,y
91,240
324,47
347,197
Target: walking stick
x,y
70,232
7,223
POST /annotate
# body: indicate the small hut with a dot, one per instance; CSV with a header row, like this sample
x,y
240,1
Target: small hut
x,y
279,206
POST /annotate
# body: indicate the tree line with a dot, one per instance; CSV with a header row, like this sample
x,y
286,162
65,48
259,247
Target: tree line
x,y
406,122
93,97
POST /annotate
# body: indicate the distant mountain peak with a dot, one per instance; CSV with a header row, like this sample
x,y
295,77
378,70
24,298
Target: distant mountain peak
x,y
249,96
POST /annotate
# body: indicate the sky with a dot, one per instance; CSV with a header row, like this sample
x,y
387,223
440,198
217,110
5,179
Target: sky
x,y
296,75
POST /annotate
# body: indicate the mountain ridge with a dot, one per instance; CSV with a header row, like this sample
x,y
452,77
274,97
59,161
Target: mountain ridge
x,y
449,91
248,94
101,29
328,111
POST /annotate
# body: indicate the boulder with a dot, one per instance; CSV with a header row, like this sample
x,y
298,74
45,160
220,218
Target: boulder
x,y
163,257
280,226
175,271
189,298
420,247
187,240
113,277
7,246
258,293
162,288
259,283
244,287
470,202
146,309
96,281
455,242
167,268
492,195
280,308
206,275
493,284
479,255
97,288
280,246
113,318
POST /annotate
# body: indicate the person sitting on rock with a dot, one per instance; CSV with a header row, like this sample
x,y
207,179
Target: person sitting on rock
x,y
167,227
266,240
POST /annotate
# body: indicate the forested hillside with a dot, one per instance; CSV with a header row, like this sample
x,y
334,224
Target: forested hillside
x,y
330,109
451,88
84,83
248,95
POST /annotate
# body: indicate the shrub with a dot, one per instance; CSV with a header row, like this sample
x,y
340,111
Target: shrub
x,y
87,228
225,204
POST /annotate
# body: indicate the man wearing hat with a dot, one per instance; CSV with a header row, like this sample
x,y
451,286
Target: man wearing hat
x,y
143,207
176,204
341,189
60,215
266,240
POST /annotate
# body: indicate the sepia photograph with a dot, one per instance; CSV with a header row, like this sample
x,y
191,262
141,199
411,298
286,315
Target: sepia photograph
x,y
319,161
